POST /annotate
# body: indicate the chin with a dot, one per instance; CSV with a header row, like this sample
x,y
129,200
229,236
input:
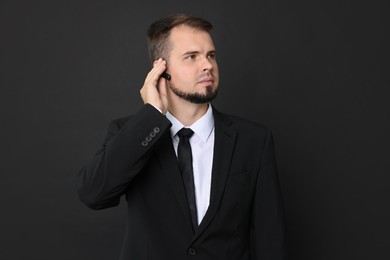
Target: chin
x,y
206,96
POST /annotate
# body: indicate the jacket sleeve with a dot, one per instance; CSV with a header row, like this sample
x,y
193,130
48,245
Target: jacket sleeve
x,y
267,220
125,150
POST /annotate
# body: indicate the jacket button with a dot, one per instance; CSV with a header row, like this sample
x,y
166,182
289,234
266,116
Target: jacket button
x,y
148,139
191,251
144,143
152,134
156,129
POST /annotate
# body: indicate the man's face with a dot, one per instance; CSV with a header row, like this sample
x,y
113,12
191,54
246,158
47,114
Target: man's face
x,y
192,65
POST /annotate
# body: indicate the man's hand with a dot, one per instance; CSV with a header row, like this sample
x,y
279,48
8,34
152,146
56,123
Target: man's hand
x,y
154,90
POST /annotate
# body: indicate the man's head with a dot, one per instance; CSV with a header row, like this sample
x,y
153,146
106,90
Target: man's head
x,y
185,43
159,44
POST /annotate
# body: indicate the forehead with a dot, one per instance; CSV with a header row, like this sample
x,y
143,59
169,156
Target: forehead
x,y
184,38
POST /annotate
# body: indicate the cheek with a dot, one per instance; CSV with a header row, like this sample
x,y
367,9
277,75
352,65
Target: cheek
x,y
216,69
185,75
179,80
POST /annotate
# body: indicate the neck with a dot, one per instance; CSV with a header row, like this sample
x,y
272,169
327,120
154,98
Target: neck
x,y
186,112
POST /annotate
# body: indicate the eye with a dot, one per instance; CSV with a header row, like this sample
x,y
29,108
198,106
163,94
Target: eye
x,y
191,57
211,56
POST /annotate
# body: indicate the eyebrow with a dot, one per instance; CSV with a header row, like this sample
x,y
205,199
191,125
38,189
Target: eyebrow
x,y
190,53
197,52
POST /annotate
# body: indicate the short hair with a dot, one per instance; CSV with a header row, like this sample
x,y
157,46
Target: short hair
x,y
159,31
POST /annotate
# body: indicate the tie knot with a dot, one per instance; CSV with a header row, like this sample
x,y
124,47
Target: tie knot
x,y
185,132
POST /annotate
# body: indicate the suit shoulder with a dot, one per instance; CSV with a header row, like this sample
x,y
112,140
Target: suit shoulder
x,y
244,125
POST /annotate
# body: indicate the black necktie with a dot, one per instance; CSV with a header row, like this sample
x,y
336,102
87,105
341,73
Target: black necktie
x,y
185,164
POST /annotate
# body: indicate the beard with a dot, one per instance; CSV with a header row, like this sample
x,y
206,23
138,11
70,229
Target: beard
x,y
195,98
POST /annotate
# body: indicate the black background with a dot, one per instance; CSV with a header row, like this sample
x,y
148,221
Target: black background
x,y
315,72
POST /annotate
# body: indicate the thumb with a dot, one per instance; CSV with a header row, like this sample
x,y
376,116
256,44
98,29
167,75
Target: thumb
x,y
162,90
162,87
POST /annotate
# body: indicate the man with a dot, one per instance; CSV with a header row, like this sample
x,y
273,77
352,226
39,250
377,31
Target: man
x,y
206,193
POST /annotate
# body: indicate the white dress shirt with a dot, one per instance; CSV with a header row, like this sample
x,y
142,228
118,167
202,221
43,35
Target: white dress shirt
x,y
202,147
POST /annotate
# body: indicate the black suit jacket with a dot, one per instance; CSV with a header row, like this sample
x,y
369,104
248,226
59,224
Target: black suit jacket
x,y
244,219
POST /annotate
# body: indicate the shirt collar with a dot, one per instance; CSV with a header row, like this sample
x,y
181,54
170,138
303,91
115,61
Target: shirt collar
x,y
203,127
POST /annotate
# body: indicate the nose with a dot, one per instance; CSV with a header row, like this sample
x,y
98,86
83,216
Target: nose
x,y
207,64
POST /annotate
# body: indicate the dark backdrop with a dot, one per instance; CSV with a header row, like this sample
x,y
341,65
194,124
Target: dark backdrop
x,y
315,72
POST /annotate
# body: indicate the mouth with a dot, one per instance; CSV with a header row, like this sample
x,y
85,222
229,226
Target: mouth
x,y
207,80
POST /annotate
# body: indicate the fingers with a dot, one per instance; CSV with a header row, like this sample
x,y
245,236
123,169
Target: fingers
x,y
154,89
159,66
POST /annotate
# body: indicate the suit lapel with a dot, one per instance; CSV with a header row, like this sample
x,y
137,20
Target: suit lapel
x,y
168,161
225,139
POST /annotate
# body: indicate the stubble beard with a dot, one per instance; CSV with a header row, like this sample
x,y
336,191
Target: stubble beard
x,y
196,98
